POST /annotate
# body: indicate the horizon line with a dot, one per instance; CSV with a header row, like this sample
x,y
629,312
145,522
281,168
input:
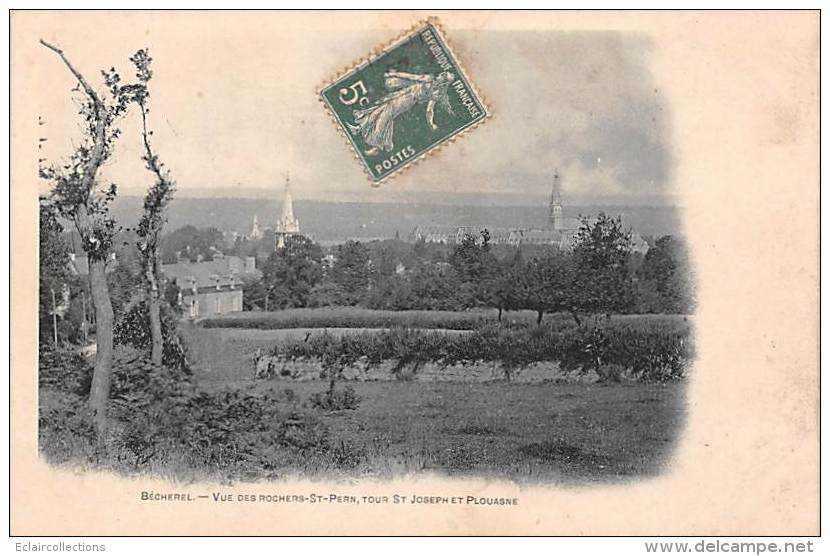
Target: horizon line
x,y
458,198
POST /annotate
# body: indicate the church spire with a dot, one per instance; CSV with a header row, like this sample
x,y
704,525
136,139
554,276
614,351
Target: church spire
x,y
288,223
555,207
256,233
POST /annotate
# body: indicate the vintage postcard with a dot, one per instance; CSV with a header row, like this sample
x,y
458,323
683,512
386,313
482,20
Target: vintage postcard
x,y
588,306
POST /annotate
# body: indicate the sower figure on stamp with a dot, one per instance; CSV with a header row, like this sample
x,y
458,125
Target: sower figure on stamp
x,y
376,123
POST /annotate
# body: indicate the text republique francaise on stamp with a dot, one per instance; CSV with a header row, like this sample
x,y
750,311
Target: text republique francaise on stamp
x,y
405,102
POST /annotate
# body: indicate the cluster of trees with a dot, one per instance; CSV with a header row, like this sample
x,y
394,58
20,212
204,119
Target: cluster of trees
x,y
57,284
77,196
599,275
191,243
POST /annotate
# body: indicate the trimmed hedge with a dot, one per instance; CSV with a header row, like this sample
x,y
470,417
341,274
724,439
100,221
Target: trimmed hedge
x,y
651,353
355,317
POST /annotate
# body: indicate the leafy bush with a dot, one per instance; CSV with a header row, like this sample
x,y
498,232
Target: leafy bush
x,y
406,346
158,415
237,433
65,429
137,383
227,429
135,380
335,400
64,369
133,329
653,355
159,418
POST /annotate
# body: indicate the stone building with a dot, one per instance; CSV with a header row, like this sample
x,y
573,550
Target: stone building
x,y
209,288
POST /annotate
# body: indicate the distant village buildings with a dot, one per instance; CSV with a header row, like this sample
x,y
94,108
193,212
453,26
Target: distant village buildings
x,y
209,288
214,287
206,288
559,231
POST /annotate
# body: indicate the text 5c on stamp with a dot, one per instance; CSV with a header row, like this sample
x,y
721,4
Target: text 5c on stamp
x,y
405,102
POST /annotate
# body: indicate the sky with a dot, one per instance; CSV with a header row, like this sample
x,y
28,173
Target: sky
x,y
234,108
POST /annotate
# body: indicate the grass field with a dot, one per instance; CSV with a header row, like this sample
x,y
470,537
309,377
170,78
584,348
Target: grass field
x,y
550,433
569,433
223,356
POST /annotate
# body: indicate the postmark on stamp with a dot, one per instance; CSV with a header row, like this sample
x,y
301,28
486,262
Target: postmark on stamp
x,y
404,102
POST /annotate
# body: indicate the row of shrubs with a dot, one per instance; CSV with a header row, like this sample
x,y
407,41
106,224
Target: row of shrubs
x,y
161,422
356,317
649,353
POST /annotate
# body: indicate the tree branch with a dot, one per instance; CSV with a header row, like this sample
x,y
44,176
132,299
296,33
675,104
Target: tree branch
x,y
99,133
152,161
89,90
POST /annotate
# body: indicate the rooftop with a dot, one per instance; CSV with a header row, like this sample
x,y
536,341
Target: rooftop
x,y
222,270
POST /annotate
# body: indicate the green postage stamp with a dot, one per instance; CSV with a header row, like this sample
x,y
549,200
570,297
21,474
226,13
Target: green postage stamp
x,y
402,103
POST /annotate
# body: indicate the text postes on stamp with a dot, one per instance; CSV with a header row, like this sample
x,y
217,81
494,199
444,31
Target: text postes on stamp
x,y
404,102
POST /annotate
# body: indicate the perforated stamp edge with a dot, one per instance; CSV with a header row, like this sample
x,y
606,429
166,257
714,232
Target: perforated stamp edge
x,y
379,51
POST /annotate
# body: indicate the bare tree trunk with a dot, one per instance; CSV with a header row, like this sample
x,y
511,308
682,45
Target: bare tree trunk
x,y
102,375
154,219
539,314
98,289
154,308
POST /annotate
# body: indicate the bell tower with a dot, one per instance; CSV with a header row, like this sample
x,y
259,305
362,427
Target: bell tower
x,y
287,224
256,232
555,206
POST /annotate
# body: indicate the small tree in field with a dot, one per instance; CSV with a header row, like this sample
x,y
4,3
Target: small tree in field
x,y
76,195
471,258
602,280
545,284
502,283
476,268
665,274
153,218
